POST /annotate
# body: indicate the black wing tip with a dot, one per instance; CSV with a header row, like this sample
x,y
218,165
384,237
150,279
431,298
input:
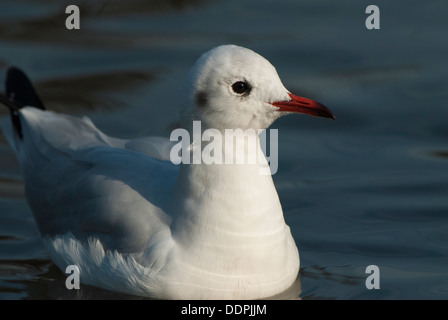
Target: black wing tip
x,y
14,113
20,90
19,93
14,71
11,105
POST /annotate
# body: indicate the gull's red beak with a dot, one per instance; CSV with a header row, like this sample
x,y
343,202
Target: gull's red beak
x,y
303,105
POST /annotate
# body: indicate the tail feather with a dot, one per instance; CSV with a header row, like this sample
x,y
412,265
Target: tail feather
x,y
19,93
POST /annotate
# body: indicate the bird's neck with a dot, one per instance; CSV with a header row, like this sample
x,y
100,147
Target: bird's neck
x,y
235,197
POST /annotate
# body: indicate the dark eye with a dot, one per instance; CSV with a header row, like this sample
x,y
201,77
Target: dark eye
x,y
241,87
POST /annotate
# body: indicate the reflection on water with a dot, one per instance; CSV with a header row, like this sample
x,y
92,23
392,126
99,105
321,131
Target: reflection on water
x,y
41,279
91,92
49,25
440,154
11,188
368,188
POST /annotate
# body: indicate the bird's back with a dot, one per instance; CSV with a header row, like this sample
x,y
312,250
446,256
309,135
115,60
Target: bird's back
x,y
78,180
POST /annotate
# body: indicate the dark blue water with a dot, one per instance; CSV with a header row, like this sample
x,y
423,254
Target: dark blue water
x,y
370,188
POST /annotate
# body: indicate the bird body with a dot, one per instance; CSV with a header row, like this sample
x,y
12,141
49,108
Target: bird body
x,y
134,222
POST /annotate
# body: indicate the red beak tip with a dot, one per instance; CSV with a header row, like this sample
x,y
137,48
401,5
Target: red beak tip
x,y
304,105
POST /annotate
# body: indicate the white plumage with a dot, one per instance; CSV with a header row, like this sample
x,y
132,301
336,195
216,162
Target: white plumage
x,y
134,222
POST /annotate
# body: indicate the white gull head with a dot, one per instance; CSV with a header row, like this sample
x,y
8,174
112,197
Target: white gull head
x,y
233,87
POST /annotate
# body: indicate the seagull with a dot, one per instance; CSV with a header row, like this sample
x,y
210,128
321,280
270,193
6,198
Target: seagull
x,y
134,222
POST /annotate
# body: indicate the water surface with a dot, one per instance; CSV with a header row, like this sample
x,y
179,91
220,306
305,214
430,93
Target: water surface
x,y
367,189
